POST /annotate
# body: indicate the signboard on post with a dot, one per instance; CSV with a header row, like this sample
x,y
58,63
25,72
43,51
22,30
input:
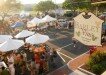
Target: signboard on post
x,y
88,31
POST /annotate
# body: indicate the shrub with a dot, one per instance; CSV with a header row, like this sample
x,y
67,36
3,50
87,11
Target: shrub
x,y
97,62
97,69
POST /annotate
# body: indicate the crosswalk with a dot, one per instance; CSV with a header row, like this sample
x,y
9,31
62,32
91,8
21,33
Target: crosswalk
x,y
63,55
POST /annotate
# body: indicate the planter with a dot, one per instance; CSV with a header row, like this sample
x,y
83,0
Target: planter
x,y
83,69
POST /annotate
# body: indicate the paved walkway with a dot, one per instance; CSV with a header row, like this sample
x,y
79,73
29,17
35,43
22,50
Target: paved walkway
x,y
78,61
102,48
64,70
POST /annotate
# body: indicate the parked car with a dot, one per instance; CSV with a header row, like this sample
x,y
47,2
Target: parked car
x,y
103,16
63,22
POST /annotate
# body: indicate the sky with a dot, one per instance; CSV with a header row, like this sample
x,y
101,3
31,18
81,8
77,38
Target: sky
x,y
36,1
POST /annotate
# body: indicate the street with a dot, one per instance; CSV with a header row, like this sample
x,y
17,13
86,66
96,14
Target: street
x,y
62,42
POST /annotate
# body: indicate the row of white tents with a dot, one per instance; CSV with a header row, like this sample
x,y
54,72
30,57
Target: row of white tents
x,y
8,43
36,21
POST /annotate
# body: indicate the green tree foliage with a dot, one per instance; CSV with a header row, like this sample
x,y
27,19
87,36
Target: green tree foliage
x,y
45,6
101,7
77,4
67,4
6,8
97,62
10,5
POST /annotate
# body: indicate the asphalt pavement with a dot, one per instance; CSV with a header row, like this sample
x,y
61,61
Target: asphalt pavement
x,y
61,39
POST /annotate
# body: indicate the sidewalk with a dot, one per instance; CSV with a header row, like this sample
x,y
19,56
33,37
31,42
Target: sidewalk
x,y
78,61
75,63
102,48
64,70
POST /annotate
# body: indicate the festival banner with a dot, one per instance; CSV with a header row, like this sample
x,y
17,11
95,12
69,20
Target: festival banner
x,y
88,31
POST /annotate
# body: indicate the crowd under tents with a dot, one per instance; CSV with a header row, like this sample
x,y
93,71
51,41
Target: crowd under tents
x,y
36,21
34,47
8,44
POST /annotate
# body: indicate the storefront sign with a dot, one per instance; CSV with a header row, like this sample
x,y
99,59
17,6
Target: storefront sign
x,y
88,31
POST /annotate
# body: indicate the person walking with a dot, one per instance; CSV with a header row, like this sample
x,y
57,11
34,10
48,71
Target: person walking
x,y
10,59
74,41
33,66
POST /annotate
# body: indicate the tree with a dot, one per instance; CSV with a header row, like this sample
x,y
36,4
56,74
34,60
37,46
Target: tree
x,y
6,8
77,4
100,6
45,6
67,4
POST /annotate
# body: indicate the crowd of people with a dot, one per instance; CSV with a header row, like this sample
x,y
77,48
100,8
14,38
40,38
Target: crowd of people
x,y
28,60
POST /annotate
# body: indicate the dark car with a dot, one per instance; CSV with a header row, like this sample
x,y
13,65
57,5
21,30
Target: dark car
x,y
103,16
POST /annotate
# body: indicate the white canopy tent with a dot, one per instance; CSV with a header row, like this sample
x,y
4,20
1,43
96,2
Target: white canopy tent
x,y
24,33
35,21
24,14
4,38
11,45
48,18
37,39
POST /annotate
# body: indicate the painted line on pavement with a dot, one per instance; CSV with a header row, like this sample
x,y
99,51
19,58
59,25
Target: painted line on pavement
x,y
65,55
60,56
68,64
63,47
58,38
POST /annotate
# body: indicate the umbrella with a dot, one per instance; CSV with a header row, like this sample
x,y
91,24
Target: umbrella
x,y
35,21
4,38
48,18
17,24
24,33
37,39
11,45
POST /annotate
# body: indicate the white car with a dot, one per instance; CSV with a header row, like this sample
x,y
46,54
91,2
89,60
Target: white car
x,y
63,22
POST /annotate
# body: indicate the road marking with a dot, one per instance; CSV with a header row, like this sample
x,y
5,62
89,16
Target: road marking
x,y
68,32
61,56
63,47
68,64
58,38
65,55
